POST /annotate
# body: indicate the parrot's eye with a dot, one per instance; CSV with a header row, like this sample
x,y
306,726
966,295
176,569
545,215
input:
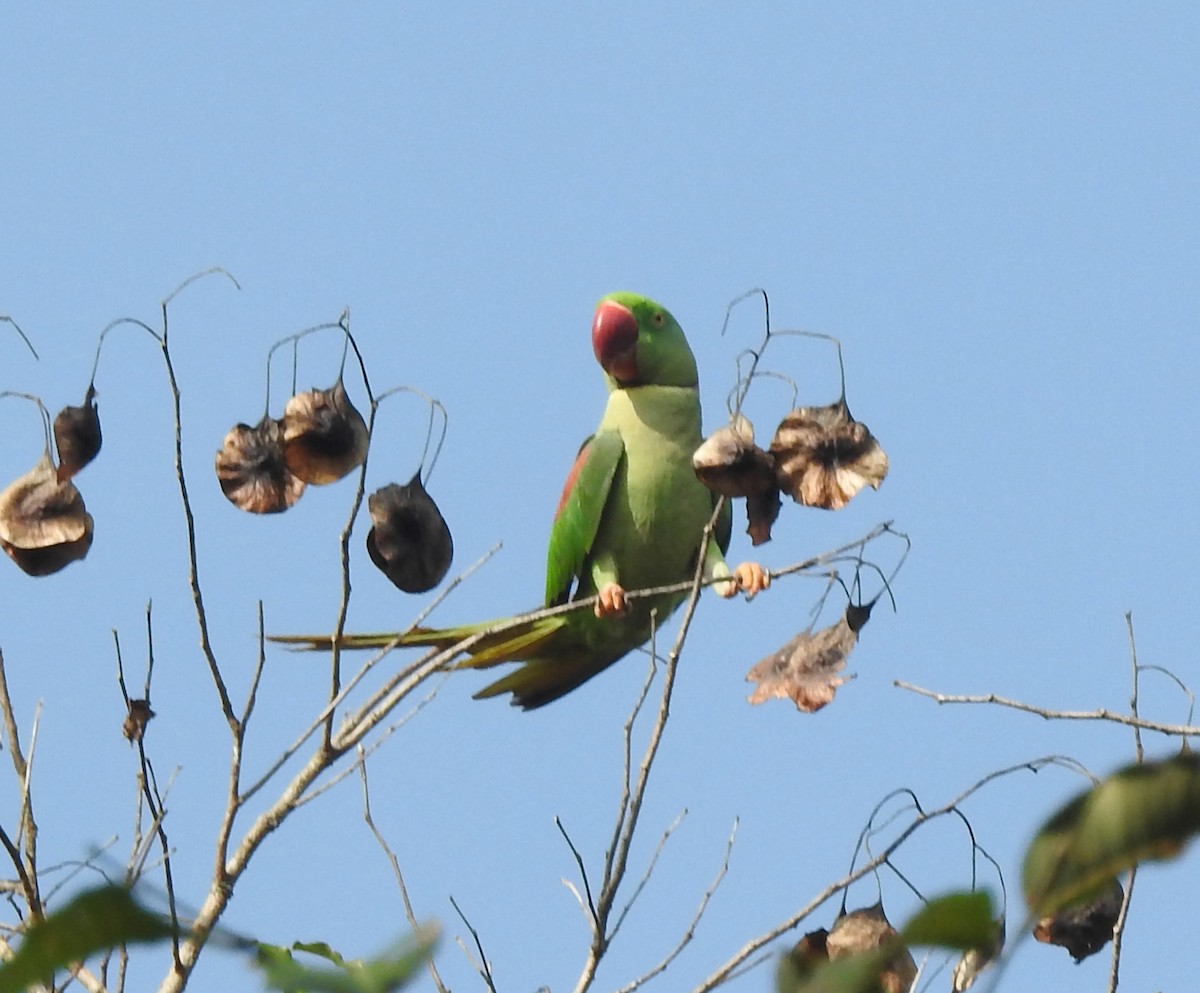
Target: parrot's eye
x,y
658,319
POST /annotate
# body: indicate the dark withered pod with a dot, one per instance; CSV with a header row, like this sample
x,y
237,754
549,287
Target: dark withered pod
x,y
77,436
44,524
324,435
252,471
1085,928
410,542
729,463
823,457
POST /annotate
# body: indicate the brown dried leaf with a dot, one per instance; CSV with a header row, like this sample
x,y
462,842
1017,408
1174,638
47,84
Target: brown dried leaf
x,y
729,463
823,456
251,469
324,436
410,543
1084,928
136,720
807,669
77,436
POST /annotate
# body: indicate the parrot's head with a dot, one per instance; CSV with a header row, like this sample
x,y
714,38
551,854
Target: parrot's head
x,y
639,343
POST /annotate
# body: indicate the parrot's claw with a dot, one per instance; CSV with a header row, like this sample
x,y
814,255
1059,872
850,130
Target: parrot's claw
x,y
749,578
611,600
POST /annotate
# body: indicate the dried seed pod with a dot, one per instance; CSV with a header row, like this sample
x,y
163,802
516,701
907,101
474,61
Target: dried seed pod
x,y
324,436
729,463
1084,928
252,471
44,525
136,720
867,929
823,457
77,436
410,542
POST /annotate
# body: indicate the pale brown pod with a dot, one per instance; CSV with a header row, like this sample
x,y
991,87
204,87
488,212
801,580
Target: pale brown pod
x,y
823,457
44,524
252,471
410,543
324,436
976,960
729,463
77,435
865,930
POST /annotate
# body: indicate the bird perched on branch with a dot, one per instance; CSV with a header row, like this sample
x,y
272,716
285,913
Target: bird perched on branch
x,y
632,516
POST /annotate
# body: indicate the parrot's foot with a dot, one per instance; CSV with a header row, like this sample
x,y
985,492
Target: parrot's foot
x,y
611,600
749,578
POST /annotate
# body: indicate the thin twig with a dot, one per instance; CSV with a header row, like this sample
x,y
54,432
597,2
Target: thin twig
x,y
1101,714
26,866
484,967
690,931
588,904
394,862
1114,974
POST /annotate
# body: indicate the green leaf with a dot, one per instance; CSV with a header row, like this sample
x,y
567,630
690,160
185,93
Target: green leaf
x,y
1142,812
957,920
320,948
856,974
95,920
382,974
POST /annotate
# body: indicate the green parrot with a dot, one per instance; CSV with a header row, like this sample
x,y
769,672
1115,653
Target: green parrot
x,y
631,516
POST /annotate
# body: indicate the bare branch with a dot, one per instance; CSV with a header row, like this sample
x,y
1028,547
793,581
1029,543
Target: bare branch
x,y
753,947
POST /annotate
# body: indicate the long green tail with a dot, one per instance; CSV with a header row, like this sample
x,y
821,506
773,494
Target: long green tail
x,y
511,644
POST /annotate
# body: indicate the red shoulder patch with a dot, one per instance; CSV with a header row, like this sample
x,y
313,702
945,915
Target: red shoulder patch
x,y
573,475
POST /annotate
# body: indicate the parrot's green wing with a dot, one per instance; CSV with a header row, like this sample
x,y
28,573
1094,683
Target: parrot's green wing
x,y
579,511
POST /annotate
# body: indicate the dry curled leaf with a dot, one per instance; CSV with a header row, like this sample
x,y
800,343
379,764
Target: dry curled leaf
x,y
865,930
823,457
252,471
77,436
44,524
808,668
136,720
1086,927
729,463
410,542
324,436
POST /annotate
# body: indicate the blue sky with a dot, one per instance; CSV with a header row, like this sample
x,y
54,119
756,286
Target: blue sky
x,y
994,207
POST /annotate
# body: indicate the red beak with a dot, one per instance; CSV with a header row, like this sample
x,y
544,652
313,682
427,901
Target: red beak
x,y
614,340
